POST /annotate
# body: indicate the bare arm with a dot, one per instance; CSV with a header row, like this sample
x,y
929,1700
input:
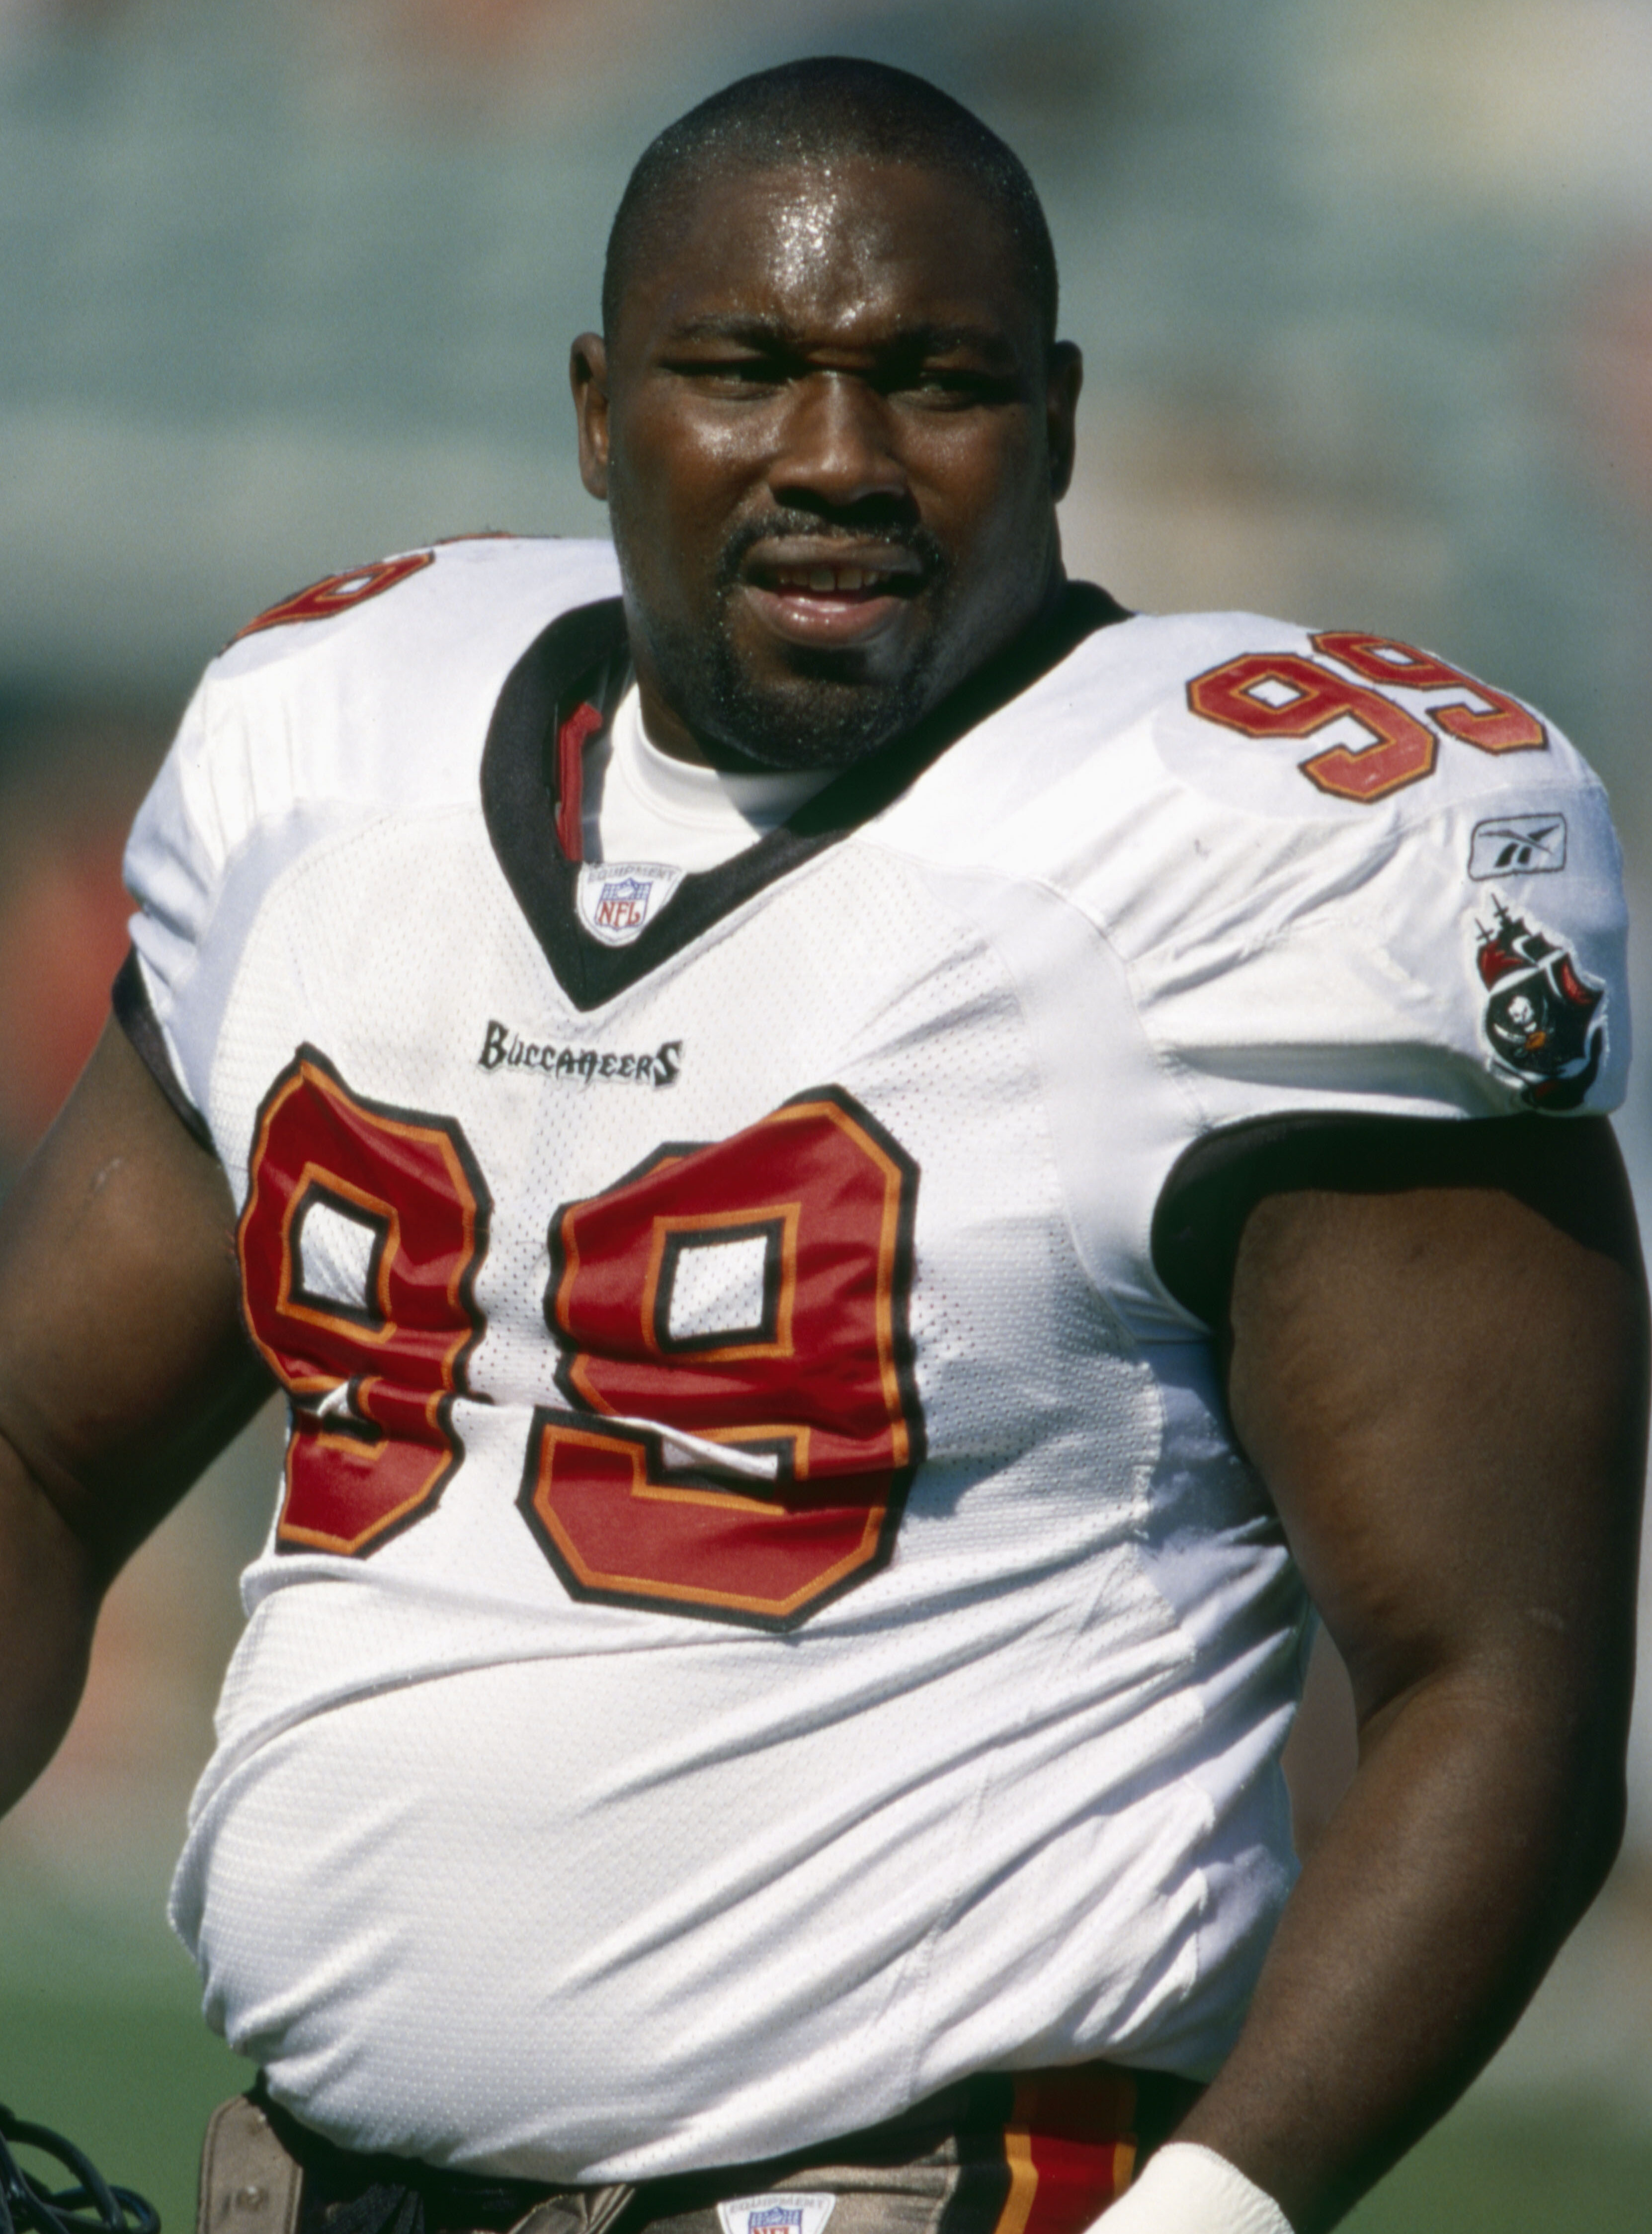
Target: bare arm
x,y
123,1370
1445,1388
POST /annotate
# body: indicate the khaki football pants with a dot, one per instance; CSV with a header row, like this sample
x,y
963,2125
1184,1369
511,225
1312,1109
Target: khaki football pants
x,y
1031,2152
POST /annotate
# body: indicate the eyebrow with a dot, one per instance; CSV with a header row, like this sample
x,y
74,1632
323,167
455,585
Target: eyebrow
x,y
926,340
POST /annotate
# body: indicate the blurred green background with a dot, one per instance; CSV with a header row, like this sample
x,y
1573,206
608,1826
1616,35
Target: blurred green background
x,y
1365,290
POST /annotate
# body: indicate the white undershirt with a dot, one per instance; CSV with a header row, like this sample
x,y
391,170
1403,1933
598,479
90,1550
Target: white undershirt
x,y
641,804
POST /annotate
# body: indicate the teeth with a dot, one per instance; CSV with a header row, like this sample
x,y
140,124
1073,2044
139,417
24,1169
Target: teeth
x,y
825,578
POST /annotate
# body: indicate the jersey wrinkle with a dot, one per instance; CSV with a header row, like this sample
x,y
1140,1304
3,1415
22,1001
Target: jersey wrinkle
x,y
943,1715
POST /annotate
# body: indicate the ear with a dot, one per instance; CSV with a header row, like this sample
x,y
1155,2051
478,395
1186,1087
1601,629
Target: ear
x,y
588,378
1065,379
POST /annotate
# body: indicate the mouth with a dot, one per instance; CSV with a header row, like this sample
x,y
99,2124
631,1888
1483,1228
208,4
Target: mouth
x,y
836,596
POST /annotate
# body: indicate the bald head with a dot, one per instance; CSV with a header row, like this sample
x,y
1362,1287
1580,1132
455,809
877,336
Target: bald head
x,y
815,112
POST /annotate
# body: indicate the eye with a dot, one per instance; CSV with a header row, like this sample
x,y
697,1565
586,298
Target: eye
x,y
729,375
951,387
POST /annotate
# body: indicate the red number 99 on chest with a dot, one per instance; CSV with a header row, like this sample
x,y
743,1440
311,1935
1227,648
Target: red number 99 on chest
x,y
739,1313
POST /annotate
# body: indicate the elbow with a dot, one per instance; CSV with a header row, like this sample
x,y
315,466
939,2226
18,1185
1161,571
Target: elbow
x,y
1598,1823
1587,1801
1575,1730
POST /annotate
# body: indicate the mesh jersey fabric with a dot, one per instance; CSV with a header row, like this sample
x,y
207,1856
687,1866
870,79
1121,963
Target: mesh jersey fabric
x,y
519,1853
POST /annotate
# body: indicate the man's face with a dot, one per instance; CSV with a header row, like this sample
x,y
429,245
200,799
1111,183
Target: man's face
x,y
831,439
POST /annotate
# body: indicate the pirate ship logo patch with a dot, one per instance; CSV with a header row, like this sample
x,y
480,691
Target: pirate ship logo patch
x,y
1542,1020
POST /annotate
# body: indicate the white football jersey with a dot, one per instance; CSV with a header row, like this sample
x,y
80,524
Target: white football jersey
x,y
764,1616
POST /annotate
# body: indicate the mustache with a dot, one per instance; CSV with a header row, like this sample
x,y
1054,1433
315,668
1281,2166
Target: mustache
x,y
908,537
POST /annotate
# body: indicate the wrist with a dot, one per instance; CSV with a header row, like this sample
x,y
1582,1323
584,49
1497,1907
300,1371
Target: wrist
x,y
1187,2189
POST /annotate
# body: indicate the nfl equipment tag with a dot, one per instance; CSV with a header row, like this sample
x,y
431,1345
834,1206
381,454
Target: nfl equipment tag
x,y
618,899
786,2211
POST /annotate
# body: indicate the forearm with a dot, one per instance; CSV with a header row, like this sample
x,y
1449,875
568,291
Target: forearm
x,y
123,1370
49,1593
1477,1828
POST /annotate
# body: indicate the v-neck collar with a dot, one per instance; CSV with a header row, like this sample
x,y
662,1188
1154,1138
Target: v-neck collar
x,y
567,684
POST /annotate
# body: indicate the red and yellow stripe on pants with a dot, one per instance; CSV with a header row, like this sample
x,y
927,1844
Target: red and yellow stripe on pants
x,y
1070,2145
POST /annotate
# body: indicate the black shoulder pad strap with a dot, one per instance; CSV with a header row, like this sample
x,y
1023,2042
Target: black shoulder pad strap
x,y
1556,1165
135,1013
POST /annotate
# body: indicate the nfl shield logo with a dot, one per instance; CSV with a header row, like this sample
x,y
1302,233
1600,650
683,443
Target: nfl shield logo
x,y
618,899
791,2212
621,907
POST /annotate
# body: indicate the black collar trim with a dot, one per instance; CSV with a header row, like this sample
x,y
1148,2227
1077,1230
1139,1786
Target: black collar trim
x,y
583,659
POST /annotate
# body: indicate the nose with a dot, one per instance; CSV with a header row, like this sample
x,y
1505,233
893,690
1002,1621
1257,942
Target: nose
x,y
838,447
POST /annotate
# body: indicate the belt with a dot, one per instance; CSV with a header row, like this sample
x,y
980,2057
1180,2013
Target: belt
x,y
1026,2153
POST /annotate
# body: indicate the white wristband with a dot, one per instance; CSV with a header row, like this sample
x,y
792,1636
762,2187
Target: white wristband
x,y
1188,2190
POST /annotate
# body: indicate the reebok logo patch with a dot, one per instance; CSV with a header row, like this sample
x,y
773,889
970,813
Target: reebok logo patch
x,y
1517,846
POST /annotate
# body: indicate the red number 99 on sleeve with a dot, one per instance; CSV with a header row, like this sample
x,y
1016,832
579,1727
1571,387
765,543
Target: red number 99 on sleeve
x,y
1287,694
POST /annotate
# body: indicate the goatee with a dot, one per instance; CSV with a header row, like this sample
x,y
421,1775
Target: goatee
x,y
821,715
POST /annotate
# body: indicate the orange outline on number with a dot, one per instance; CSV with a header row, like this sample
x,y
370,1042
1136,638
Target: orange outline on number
x,y
308,1071
574,1510
787,1214
551,1433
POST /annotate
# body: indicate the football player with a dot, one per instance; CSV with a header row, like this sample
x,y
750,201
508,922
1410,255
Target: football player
x,y
861,1171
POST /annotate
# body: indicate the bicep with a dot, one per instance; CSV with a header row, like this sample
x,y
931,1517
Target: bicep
x,y
1444,1387
123,1365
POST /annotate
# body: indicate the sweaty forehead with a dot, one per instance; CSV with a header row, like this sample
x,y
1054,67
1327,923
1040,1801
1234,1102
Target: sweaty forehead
x,y
846,247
